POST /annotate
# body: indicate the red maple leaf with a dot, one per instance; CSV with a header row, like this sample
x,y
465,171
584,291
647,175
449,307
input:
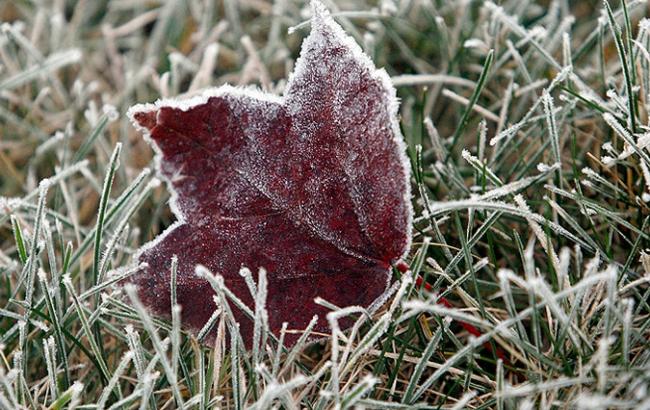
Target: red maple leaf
x,y
312,186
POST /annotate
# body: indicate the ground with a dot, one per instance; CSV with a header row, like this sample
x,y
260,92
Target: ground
x,y
526,128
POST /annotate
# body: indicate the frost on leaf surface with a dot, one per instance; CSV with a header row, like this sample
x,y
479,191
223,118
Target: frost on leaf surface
x,y
313,186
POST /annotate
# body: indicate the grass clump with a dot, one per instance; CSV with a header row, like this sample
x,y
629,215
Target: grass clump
x,y
527,129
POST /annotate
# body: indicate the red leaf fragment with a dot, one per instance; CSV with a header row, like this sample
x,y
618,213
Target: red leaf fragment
x,y
471,329
312,186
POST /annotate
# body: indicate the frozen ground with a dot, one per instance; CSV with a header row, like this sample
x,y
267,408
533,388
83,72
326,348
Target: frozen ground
x,y
527,132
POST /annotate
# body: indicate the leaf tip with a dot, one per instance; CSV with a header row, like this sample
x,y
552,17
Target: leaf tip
x,y
318,11
143,116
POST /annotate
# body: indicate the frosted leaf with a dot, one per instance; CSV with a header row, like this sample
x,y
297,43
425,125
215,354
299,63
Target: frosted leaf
x,y
313,186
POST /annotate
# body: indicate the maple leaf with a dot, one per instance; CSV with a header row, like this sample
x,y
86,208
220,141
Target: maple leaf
x,y
312,186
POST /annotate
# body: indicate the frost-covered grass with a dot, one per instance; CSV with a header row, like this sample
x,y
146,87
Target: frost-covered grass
x,y
527,129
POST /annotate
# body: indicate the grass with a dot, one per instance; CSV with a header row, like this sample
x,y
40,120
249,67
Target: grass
x,y
527,129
